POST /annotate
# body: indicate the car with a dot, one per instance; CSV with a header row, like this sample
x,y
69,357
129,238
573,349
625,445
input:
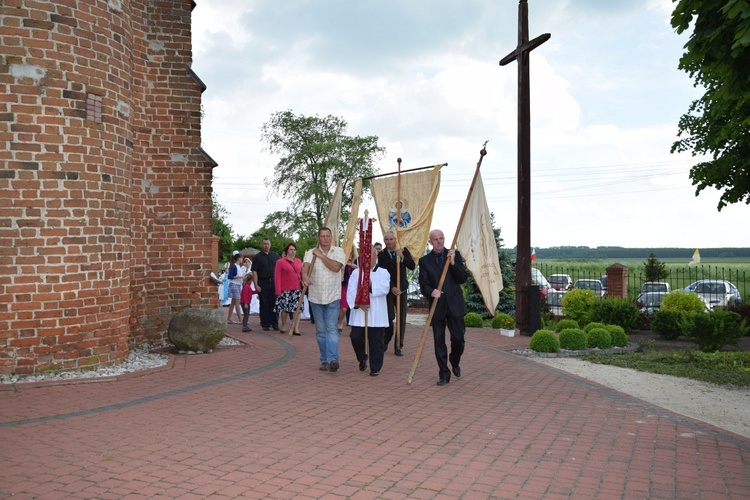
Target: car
x,y
735,291
554,302
715,293
655,286
603,279
590,284
537,278
650,301
560,281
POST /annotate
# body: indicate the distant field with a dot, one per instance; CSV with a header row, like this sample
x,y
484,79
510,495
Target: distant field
x,y
635,262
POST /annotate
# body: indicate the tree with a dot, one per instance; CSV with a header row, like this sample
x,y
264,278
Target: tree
x,y
718,58
507,302
654,269
315,154
220,228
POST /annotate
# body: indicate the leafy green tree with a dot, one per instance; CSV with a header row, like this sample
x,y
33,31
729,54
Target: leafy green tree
x,y
717,57
507,302
221,228
314,154
654,269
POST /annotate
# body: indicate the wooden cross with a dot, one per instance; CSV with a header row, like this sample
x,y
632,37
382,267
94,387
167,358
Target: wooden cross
x,y
523,249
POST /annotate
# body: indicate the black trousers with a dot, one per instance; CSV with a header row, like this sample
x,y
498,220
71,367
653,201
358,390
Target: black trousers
x,y
390,329
267,297
457,330
376,345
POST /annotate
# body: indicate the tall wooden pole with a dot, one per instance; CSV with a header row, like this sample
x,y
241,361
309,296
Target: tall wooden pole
x,y
523,250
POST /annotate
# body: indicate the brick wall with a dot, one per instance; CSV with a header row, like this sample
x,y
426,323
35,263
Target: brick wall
x,y
105,195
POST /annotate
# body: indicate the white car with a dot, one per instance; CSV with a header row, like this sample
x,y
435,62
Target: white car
x,y
593,285
554,302
715,293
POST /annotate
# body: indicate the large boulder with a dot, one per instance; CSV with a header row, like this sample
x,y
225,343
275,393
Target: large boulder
x,y
197,329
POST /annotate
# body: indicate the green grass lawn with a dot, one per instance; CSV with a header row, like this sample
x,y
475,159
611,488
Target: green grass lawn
x,y
725,368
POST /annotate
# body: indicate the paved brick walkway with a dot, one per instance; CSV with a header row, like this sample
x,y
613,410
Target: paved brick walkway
x,y
261,421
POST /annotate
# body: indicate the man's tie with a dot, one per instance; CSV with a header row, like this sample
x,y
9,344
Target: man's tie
x,y
440,260
393,254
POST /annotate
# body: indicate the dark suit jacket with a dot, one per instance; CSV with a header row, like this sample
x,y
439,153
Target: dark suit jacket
x,y
452,300
385,261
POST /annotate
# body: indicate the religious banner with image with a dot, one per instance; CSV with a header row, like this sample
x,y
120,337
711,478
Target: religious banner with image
x,y
407,211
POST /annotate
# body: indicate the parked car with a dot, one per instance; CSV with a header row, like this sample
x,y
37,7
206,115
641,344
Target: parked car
x,y
593,285
560,282
715,293
650,301
537,278
655,286
554,302
735,291
603,279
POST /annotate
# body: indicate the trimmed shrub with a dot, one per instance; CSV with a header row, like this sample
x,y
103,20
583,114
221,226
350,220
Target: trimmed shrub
x,y
680,300
592,325
573,339
504,321
618,336
566,323
599,337
616,311
668,323
578,305
712,331
743,310
473,320
544,341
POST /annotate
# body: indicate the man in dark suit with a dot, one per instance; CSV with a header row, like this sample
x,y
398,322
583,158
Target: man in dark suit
x,y
451,308
387,260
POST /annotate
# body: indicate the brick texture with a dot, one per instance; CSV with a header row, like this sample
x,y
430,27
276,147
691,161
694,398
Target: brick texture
x,y
105,228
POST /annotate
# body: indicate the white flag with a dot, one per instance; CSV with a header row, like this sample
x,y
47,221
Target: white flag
x,y
696,258
476,242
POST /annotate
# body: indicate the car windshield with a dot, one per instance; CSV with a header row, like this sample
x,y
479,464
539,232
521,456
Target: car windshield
x,y
591,284
558,280
652,299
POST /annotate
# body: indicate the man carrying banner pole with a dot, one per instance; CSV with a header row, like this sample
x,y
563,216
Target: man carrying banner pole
x,y
432,286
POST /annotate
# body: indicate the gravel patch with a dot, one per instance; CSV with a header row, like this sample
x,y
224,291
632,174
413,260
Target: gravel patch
x,y
139,358
725,407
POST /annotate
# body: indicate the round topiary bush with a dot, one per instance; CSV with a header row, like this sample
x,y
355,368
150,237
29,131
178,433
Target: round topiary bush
x,y
473,320
593,325
544,341
680,300
504,321
599,337
618,336
573,339
566,323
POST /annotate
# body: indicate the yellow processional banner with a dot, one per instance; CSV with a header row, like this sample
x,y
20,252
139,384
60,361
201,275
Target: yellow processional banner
x,y
407,211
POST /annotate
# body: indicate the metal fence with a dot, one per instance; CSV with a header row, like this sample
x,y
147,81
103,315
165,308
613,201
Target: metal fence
x,y
678,279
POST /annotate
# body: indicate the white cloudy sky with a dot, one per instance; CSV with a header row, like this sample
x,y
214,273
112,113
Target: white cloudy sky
x,y
423,76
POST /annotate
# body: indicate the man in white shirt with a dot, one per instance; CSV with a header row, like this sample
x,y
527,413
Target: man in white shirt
x,y
324,295
377,316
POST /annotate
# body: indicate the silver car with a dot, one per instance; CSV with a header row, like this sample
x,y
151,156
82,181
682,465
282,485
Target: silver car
x,y
715,293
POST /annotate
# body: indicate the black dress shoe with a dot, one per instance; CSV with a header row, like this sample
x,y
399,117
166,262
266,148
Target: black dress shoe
x,y
374,374
398,352
457,371
443,381
362,365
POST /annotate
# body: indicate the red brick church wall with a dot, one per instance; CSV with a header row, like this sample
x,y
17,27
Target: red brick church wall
x,y
105,194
